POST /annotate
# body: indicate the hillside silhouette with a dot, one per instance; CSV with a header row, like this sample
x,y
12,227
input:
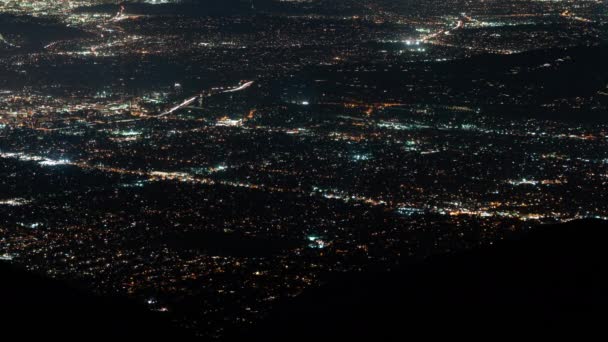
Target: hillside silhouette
x,y
33,306
550,282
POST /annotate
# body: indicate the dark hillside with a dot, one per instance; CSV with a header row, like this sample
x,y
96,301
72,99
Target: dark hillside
x,y
551,281
36,307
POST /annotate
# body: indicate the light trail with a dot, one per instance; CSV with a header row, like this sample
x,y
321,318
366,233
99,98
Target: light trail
x,y
179,106
243,87
3,40
51,45
191,100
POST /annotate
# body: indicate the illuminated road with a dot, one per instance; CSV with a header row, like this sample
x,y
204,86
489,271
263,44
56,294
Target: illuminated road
x,y
179,106
3,40
189,101
243,87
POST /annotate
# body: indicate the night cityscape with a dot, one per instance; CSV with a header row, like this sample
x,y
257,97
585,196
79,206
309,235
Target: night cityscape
x,y
213,161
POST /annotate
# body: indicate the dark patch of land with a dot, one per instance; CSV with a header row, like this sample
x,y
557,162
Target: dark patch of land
x,y
230,244
550,282
28,33
547,83
35,307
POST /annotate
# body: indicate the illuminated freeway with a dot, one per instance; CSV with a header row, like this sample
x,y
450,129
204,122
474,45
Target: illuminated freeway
x,y
191,100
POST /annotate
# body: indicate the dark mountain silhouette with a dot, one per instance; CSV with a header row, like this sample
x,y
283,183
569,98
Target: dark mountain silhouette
x,y
32,306
550,282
